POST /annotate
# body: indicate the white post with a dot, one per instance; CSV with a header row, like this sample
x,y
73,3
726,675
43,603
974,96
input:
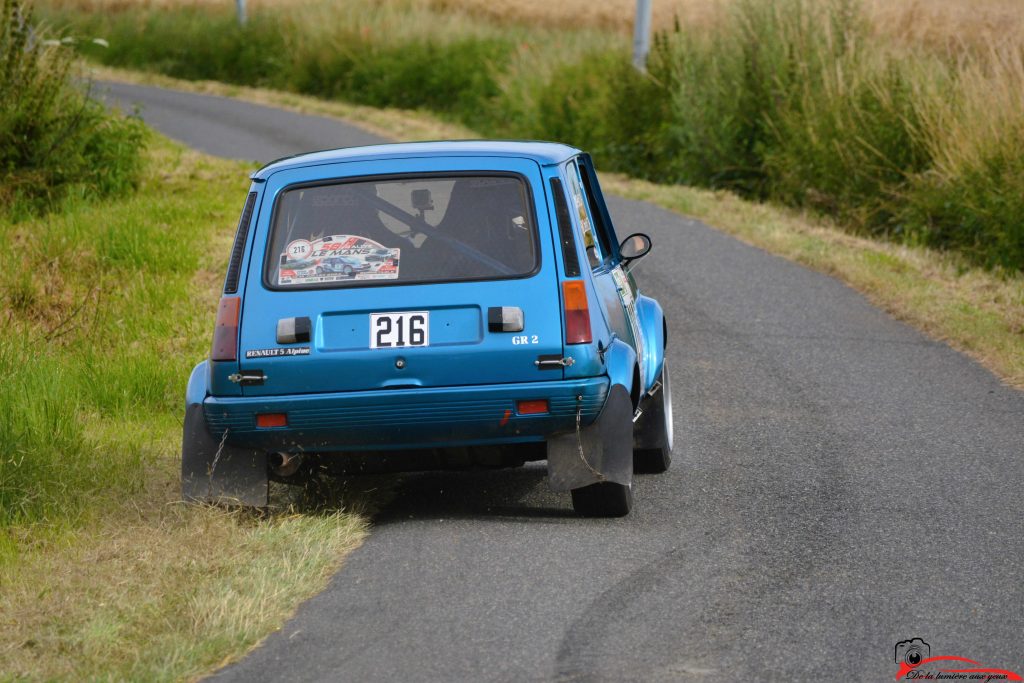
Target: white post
x,y
642,34
241,11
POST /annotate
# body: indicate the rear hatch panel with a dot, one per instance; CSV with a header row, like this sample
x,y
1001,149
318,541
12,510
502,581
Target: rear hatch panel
x,y
460,348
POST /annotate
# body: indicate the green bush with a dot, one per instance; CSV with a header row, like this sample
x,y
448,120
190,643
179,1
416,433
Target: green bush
x,y
54,139
602,104
193,44
447,77
787,101
269,50
979,212
721,87
846,148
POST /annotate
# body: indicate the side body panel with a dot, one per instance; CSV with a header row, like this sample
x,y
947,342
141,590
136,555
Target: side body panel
x,y
652,322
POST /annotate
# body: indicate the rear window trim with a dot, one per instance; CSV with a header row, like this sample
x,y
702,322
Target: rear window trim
x,y
566,232
234,275
356,284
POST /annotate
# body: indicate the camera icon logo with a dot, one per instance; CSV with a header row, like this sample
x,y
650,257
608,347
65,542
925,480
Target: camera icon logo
x,y
912,652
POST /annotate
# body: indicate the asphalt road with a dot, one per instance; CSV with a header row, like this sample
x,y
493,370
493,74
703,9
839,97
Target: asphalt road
x,y
841,483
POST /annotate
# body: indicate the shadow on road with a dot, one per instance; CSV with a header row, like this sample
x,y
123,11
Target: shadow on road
x,y
477,494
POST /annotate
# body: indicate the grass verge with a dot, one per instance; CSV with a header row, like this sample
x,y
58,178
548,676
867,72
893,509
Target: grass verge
x,y
975,310
103,574
159,591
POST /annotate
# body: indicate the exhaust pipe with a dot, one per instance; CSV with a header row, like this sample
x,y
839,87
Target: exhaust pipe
x,y
285,465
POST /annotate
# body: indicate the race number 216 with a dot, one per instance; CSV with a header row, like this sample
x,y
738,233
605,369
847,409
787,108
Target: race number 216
x,y
397,330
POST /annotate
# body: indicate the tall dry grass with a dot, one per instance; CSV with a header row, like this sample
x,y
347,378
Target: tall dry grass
x,y
948,25
971,196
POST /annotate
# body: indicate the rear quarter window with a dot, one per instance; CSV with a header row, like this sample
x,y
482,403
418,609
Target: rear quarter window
x,y
581,206
404,230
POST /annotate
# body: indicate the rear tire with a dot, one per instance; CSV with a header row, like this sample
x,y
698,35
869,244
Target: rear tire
x,y
652,434
604,499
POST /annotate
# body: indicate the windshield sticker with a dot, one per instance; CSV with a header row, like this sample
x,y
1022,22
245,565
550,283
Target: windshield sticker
x,y
337,258
622,283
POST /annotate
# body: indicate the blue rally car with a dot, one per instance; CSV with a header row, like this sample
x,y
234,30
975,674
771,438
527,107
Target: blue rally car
x,y
492,320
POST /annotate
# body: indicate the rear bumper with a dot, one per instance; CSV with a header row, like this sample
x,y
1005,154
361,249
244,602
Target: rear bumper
x,y
407,418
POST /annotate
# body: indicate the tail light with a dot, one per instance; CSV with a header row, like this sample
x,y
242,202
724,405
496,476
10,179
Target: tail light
x,y
225,334
577,312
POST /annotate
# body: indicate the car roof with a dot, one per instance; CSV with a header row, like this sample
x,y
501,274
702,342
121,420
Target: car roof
x,y
544,153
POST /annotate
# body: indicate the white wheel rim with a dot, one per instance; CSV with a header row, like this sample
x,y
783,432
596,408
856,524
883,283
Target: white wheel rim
x,y
666,397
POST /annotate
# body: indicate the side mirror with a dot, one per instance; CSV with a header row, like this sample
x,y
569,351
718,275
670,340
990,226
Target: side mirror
x,y
634,246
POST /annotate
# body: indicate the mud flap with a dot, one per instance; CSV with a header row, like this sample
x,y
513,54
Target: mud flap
x,y
607,448
237,477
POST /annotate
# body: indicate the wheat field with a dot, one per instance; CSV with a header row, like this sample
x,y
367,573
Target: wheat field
x,y
938,23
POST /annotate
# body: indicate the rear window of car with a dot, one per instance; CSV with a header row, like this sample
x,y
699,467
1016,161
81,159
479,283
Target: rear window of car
x,y
402,230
